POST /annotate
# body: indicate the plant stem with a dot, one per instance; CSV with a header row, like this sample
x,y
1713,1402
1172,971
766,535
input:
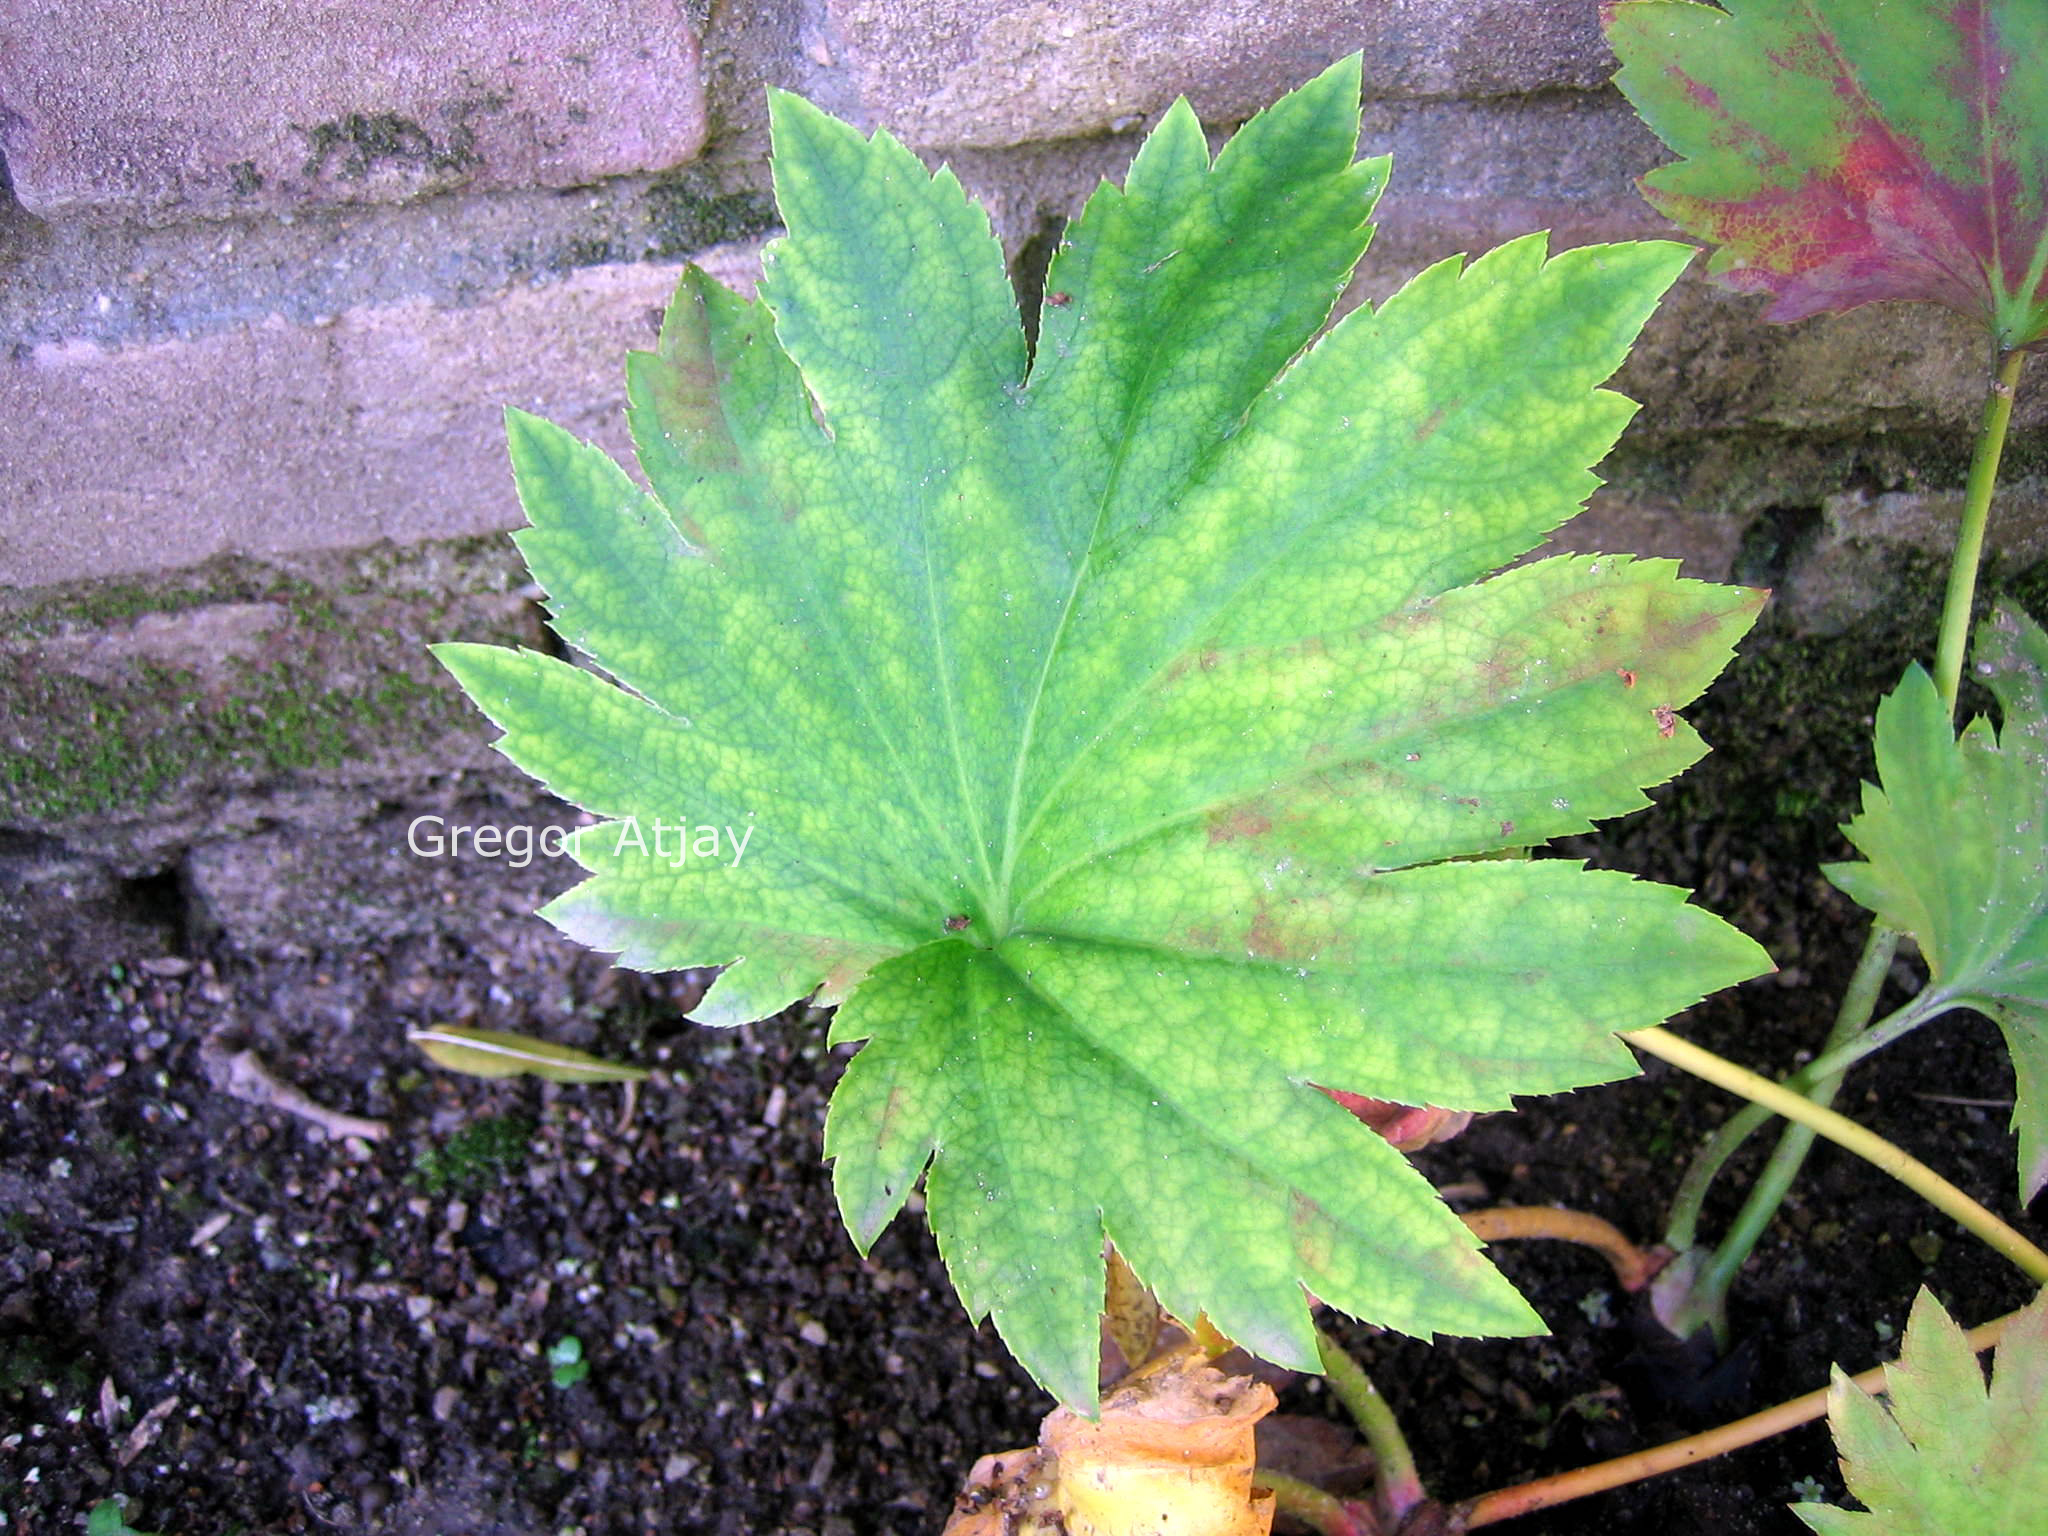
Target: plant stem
x,y
1682,1228
1400,1489
1962,571
1707,1298
1859,1001
1844,1132
1632,1266
1925,1008
1544,1492
1320,1511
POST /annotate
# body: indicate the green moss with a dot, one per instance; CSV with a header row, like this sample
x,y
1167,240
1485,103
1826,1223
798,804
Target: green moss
x,y
118,602
362,141
100,748
481,563
482,1153
342,677
688,212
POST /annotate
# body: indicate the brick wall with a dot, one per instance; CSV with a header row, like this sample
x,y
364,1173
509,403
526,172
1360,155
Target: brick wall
x,y
270,270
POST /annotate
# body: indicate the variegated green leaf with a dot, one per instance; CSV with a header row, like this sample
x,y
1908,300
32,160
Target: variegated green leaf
x,y
1106,719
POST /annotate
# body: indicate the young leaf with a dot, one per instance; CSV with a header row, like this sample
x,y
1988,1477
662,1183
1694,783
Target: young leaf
x,y
1104,717
108,1518
495,1053
1950,1457
1957,844
1841,152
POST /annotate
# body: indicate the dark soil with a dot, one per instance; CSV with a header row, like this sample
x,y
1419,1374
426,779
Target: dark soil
x,y
241,1326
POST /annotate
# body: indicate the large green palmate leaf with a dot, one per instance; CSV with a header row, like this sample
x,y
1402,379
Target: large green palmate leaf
x,y
1101,720
1950,1458
1845,151
1957,848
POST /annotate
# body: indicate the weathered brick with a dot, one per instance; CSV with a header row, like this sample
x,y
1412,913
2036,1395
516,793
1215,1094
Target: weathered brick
x,y
162,109
383,424
988,73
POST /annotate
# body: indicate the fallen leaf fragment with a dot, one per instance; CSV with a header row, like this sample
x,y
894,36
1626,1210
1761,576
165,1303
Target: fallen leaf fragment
x,y
242,1075
497,1053
144,1434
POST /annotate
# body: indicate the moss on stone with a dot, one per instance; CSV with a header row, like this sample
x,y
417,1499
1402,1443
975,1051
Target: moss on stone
x,y
96,748
688,212
95,605
362,141
341,678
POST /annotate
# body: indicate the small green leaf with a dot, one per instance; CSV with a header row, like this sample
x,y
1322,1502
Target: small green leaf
x,y
1950,1458
1846,151
1109,717
1957,844
566,1363
495,1053
108,1518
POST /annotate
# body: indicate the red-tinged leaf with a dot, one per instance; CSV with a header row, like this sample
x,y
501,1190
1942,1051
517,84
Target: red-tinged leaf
x,y
1843,151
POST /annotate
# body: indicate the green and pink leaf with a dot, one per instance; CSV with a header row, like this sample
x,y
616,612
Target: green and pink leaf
x,y
1841,152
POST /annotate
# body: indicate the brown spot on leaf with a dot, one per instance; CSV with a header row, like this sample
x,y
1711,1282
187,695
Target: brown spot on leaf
x,y
1263,938
1667,720
1311,1226
1435,419
1628,678
958,921
1239,821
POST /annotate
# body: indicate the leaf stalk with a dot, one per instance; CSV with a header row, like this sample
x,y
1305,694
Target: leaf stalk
x,y
1706,1300
1962,573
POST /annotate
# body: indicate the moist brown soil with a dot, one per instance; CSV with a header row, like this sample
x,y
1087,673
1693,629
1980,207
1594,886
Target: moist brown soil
x,y
239,1325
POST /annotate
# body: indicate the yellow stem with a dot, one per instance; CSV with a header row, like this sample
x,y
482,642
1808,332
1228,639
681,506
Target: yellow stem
x,y
1844,1132
1544,1492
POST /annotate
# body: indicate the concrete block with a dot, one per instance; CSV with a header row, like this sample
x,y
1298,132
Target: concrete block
x,y
382,424
987,73
174,109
